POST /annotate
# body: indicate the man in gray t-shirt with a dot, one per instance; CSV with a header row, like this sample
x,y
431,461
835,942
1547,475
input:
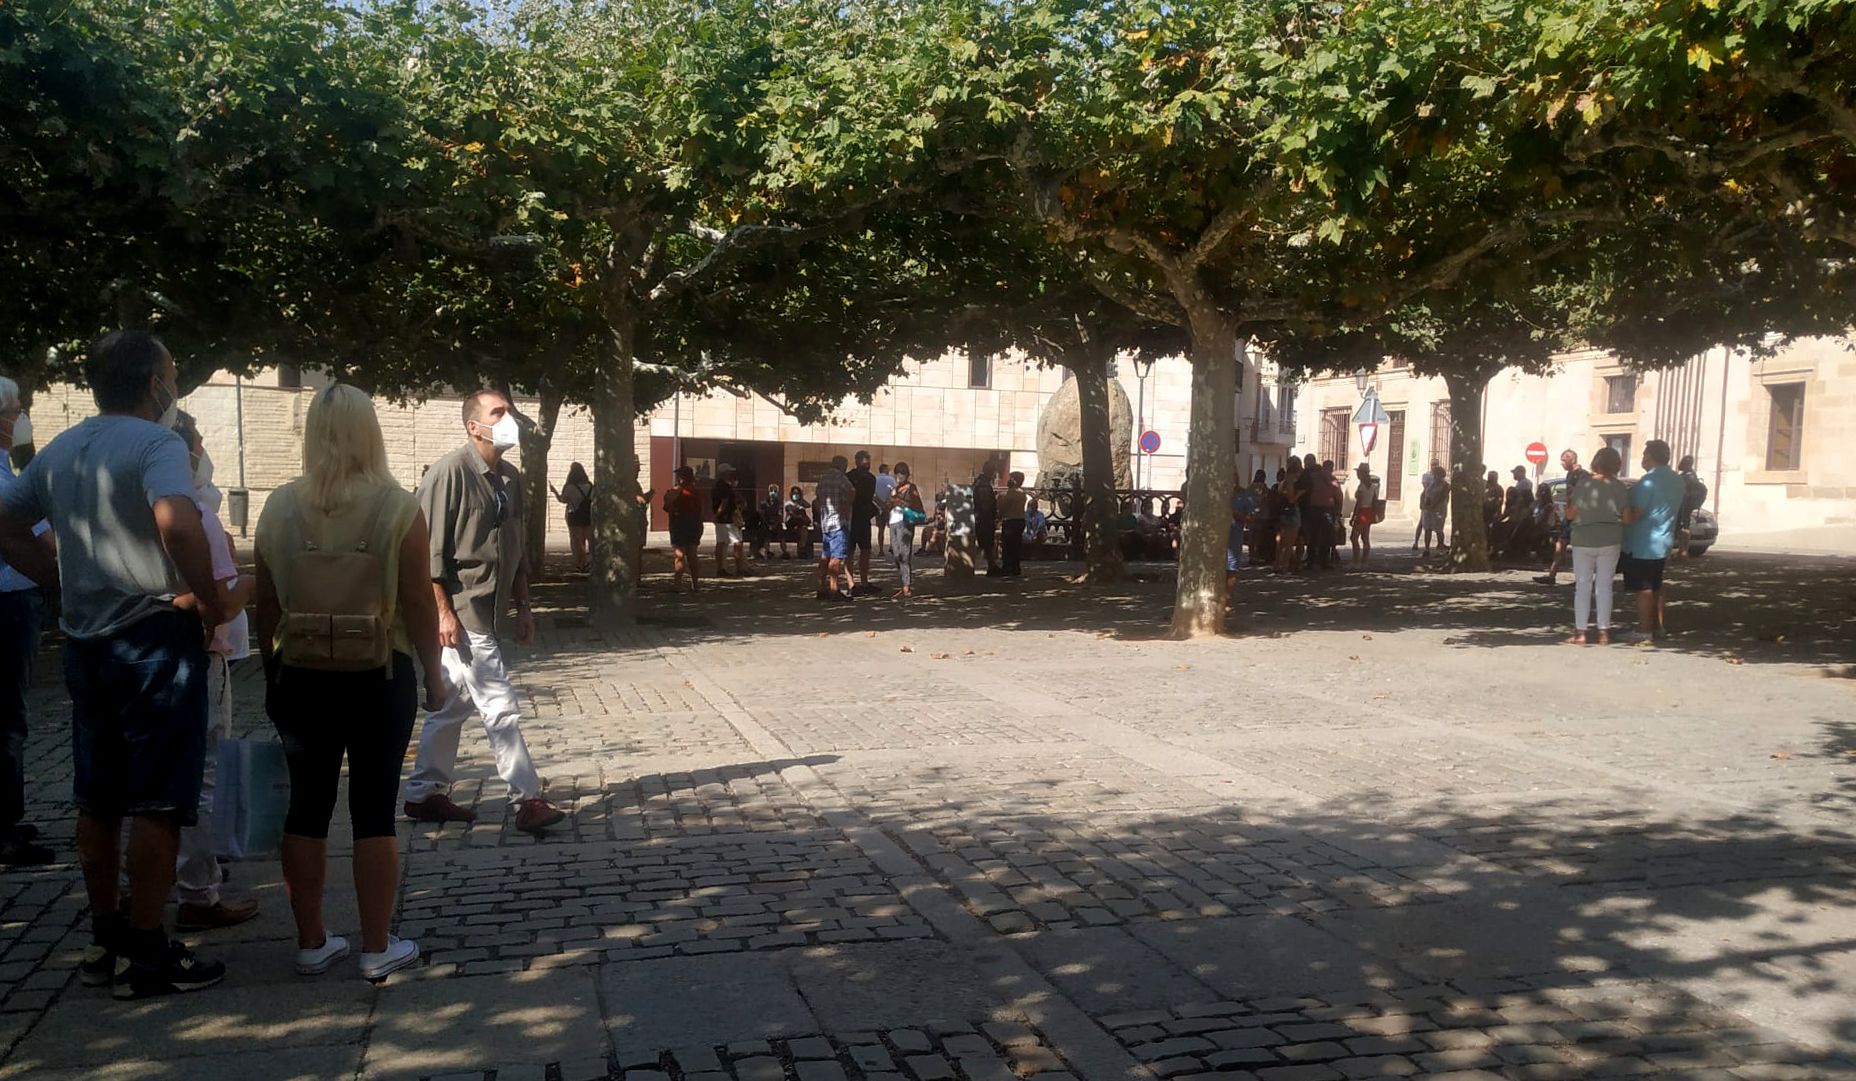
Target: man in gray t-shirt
x,y
139,605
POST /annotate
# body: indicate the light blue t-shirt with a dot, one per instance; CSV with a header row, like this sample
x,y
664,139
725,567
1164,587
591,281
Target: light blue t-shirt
x,y
98,483
1658,494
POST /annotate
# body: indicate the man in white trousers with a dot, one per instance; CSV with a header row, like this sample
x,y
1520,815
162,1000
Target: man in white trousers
x,y
473,505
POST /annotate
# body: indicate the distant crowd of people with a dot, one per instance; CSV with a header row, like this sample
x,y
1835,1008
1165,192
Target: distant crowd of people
x,y
1299,520
854,511
1590,519
361,593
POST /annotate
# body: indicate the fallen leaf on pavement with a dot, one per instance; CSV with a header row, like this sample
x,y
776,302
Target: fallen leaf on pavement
x,y
1734,660
1368,637
966,653
822,634
908,649
1182,667
937,656
1780,754
869,634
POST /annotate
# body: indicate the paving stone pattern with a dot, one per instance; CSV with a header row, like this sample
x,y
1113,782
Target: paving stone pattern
x,y
1022,876
482,912
944,1051
1543,1028
803,837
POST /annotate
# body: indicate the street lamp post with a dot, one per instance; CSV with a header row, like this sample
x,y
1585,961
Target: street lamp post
x,y
1142,365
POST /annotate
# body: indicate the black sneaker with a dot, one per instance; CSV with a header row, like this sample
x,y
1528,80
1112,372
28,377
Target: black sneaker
x,y
175,972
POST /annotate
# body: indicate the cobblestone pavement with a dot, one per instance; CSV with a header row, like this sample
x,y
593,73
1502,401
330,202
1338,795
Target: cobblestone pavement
x,y
1006,832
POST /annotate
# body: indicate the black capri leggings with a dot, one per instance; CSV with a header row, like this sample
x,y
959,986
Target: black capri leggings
x,y
322,715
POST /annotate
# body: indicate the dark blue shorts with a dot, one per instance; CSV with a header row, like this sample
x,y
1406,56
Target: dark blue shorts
x,y
138,718
1641,574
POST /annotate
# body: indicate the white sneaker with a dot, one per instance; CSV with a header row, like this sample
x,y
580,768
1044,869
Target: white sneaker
x,y
399,953
317,961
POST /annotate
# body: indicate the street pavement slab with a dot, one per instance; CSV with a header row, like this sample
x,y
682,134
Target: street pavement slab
x,y
1386,828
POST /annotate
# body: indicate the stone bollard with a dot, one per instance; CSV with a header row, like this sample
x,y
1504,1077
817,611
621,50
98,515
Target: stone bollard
x,y
960,547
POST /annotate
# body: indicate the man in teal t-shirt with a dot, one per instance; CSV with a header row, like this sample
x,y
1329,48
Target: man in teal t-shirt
x,y
1650,534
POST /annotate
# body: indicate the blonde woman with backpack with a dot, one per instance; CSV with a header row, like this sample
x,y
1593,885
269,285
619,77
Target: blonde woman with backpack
x,y
345,606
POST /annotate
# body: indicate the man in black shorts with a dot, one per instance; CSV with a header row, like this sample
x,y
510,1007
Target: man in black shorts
x,y
140,603
1649,535
863,516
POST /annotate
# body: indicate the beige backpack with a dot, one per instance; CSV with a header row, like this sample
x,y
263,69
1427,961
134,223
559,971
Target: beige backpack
x,y
336,609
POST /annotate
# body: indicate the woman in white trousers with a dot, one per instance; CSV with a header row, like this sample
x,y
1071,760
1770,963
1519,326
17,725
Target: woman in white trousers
x,y
1596,510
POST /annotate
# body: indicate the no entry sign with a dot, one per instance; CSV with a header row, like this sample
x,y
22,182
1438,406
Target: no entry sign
x,y
1537,453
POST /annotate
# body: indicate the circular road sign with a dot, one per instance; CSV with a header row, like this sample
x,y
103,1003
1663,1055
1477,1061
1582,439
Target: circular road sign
x,y
1150,441
1537,453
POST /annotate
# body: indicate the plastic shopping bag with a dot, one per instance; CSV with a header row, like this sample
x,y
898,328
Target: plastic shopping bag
x,y
251,798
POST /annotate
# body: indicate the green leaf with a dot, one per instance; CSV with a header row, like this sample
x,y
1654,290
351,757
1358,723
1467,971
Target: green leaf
x,y
1479,86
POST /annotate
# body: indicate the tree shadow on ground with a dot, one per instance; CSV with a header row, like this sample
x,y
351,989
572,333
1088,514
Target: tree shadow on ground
x,y
1385,902
1742,609
1568,935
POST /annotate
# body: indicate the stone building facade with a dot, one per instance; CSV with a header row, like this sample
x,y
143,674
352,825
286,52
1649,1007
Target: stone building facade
x,y
943,416
1769,435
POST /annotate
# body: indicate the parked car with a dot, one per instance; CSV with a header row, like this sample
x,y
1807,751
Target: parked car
x,y
1704,529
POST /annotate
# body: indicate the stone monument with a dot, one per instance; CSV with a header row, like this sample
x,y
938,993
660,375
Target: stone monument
x,y
1060,435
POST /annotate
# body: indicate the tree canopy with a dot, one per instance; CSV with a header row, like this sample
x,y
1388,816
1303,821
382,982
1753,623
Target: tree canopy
x,y
600,201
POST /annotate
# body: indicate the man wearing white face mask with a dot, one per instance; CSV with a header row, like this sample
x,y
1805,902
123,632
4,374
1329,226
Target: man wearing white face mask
x,y
473,502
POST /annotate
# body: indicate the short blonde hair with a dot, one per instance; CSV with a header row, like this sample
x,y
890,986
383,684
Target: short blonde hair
x,y
344,455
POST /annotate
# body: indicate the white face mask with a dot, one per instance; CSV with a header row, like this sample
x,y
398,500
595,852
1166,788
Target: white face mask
x,y
22,430
170,411
505,433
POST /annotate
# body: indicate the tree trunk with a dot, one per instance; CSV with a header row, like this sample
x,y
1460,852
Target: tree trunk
x,y
537,442
617,533
1089,365
1469,534
1198,608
